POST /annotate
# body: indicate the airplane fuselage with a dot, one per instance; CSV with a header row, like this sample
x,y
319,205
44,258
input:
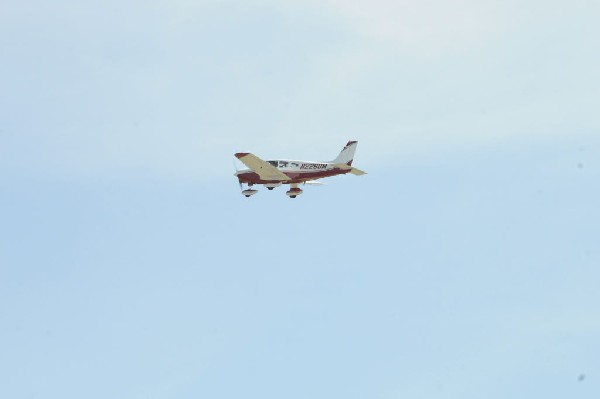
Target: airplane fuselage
x,y
297,171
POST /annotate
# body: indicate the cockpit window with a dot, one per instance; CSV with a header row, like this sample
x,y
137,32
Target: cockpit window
x,y
274,163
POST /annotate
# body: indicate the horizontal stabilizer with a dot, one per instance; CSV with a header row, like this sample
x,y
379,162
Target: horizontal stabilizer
x,y
354,171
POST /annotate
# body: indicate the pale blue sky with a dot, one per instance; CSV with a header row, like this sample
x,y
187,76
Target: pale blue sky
x,y
464,265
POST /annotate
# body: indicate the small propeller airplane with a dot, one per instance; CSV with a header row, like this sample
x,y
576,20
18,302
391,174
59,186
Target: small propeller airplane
x,y
273,174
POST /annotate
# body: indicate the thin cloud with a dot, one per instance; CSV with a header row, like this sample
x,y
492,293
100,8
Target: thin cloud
x,y
176,89
425,27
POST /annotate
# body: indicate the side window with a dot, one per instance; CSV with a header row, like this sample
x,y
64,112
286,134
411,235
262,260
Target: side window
x,y
283,164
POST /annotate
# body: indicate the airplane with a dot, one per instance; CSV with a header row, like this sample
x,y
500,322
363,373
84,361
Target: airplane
x,y
274,173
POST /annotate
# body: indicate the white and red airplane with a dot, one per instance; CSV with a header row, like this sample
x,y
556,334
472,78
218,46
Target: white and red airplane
x,y
273,174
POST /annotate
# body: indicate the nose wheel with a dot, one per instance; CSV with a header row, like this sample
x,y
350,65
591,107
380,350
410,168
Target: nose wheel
x,y
249,191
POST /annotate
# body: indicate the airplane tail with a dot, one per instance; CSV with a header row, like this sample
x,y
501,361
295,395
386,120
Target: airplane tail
x,y
347,154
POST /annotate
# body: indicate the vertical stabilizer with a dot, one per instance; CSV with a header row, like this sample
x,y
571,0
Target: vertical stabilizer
x,y
347,154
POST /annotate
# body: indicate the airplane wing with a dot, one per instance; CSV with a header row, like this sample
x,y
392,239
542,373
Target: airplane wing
x,y
265,170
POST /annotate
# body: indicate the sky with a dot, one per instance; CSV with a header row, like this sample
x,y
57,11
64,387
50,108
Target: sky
x,y
463,265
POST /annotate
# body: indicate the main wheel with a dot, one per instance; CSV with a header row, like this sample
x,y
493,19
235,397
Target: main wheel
x,y
247,196
270,188
292,196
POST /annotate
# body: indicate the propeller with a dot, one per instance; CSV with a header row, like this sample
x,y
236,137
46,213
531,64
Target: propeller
x,y
236,172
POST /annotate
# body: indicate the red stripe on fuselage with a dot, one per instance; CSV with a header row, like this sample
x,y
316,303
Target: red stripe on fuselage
x,y
295,177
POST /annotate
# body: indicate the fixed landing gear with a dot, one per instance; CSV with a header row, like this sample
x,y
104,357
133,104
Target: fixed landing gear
x,y
249,191
271,186
294,191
